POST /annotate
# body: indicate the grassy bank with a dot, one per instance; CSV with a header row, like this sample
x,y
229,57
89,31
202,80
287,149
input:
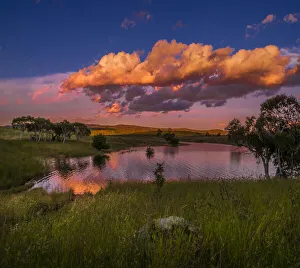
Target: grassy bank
x,y
240,224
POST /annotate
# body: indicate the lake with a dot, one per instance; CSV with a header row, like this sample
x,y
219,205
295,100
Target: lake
x,y
192,161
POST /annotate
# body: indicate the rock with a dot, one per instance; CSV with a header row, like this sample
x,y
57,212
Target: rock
x,y
166,226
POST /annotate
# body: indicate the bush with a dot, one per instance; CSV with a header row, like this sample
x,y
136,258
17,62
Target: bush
x,y
159,176
171,138
100,142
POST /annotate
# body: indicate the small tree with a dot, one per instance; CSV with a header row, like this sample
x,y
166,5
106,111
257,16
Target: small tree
x,y
207,134
81,130
159,176
159,132
21,123
171,138
100,142
67,129
41,126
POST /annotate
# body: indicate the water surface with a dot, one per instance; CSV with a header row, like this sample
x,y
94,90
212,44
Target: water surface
x,y
193,161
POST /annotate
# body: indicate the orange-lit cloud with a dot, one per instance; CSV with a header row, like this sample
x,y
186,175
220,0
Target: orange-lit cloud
x,y
291,18
175,63
253,29
115,108
175,75
270,18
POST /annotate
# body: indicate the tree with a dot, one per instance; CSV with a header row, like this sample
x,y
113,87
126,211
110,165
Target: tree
x,y
207,134
41,125
159,132
171,138
282,117
67,129
255,137
21,123
100,142
81,130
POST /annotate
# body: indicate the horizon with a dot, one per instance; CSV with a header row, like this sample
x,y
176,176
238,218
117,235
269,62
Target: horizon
x,y
151,63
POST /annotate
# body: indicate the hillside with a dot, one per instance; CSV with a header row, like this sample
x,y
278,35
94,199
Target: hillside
x,y
131,129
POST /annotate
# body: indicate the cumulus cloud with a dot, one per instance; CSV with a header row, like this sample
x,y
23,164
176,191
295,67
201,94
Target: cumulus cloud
x,y
174,76
291,18
136,16
293,53
253,29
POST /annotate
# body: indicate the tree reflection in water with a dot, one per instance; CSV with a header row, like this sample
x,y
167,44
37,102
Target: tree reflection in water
x,y
150,152
99,161
64,166
171,150
235,157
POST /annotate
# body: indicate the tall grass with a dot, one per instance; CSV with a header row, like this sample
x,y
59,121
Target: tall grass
x,y
240,224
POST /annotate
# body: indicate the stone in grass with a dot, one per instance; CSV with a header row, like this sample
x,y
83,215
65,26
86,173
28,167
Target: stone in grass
x,y
167,226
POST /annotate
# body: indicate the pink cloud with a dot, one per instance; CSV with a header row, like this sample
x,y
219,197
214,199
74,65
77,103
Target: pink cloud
x,y
4,101
39,92
19,101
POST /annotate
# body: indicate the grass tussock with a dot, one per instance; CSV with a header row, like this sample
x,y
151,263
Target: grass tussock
x,y
240,224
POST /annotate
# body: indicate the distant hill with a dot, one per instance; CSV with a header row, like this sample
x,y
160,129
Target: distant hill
x,y
131,129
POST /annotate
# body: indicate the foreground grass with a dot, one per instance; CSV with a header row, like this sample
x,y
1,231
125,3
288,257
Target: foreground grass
x,y
240,224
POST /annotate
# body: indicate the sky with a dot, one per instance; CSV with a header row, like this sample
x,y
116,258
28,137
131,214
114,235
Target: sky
x,y
161,63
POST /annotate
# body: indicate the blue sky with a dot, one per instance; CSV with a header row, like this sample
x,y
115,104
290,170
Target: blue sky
x,y
48,37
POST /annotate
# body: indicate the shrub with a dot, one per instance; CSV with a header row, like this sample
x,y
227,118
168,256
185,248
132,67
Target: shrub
x,y
159,176
100,142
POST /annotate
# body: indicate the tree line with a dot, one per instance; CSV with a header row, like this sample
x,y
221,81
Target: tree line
x,y
42,129
273,136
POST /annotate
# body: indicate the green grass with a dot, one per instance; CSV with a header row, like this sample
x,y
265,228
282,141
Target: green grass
x,y
22,161
18,165
240,224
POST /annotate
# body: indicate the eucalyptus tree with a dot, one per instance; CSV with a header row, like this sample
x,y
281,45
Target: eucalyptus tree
x,y
22,123
67,129
273,136
41,126
255,137
81,130
282,118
